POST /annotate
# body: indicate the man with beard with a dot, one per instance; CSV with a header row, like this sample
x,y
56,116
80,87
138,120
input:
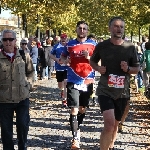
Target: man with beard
x,y
79,79
61,69
118,61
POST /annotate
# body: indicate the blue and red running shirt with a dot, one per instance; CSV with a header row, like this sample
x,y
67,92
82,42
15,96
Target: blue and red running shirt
x,y
57,51
79,71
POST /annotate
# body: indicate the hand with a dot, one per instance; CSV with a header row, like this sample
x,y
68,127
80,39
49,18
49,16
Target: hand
x,y
124,66
67,61
85,53
58,60
102,69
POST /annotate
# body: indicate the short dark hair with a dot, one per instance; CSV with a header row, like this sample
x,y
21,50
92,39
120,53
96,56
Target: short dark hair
x,y
81,22
115,18
147,45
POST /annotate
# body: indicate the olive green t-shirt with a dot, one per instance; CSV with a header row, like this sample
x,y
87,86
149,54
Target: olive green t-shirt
x,y
111,56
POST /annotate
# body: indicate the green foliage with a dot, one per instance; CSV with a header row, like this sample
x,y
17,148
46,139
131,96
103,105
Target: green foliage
x,y
63,14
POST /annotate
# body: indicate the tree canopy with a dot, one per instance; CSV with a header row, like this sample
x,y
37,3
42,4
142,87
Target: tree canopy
x,y
63,14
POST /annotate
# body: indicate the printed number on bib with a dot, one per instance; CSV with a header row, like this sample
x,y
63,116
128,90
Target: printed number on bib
x,y
82,87
116,81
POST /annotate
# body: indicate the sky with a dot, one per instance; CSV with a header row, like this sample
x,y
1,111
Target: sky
x,y
5,14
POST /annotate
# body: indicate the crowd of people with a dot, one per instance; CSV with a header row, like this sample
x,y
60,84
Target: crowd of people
x,y
74,63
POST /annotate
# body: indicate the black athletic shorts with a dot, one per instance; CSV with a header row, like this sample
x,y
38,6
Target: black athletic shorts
x,y
76,98
61,75
118,105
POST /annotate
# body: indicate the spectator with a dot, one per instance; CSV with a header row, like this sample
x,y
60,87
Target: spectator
x,y
14,94
34,57
43,43
144,40
24,46
146,71
101,39
49,62
38,43
92,37
30,39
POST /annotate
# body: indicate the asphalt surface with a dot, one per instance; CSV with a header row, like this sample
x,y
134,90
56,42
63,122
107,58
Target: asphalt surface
x,y
50,130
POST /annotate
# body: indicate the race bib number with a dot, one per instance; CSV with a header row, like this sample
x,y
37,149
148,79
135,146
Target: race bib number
x,y
82,87
116,81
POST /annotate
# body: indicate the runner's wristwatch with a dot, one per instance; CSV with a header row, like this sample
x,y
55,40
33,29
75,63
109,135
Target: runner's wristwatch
x,y
128,69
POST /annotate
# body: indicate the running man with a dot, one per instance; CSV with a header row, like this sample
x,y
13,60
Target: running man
x,y
61,69
80,78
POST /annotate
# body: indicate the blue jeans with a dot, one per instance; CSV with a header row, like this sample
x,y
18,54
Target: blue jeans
x,y
140,79
35,72
45,71
22,124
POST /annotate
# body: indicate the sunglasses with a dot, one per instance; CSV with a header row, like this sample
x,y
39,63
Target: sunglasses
x,y
8,39
24,43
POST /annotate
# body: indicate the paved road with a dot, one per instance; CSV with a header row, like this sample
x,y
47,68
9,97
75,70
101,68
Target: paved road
x,y
49,128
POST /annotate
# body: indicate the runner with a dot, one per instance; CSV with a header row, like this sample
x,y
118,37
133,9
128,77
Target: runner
x,y
118,61
61,69
80,78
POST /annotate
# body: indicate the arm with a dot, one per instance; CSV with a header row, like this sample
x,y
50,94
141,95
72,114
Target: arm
x,y
29,70
129,69
86,54
133,65
65,60
133,70
64,57
95,61
96,67
29,66
53,57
